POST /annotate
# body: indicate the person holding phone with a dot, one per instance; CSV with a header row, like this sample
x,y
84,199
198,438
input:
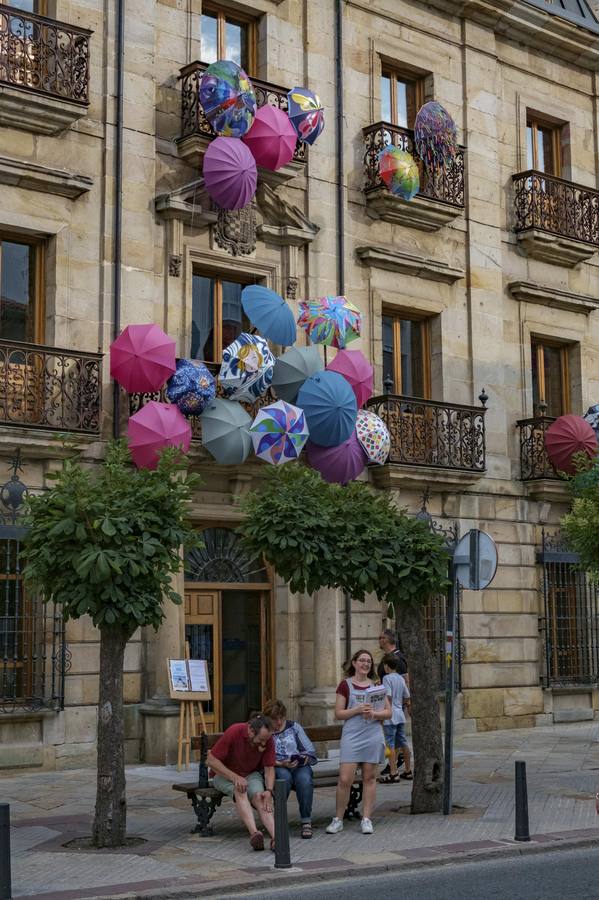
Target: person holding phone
x,y
295,756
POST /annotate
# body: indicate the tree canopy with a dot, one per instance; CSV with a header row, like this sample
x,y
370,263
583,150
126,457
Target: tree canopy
x,y
581,524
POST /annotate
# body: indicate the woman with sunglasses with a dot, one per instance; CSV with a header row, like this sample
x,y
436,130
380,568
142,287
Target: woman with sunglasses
x,y
362,740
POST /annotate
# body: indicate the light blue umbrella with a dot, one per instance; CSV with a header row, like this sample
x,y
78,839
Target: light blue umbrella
x,y
292,369
330,407
270,314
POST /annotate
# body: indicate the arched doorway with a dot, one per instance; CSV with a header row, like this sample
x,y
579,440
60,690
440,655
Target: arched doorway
x,y
228,622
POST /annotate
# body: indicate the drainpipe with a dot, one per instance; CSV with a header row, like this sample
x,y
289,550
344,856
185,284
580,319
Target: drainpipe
x,y
118,197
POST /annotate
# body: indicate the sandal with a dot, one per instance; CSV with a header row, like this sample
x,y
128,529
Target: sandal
x,y
257,841
407,776
306,831
390,779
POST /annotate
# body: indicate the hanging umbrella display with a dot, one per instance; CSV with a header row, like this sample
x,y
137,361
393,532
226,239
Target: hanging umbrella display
x,y
142,358
305,114
272,138
373,435
333,321
339,464
154,427
230,173
330,408
399,171
225,432
191,387
279,432
567,436
227,98
435,135
292,369
357,371
591,416
247,367
270,314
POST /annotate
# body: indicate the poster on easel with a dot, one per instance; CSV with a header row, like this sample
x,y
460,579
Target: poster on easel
x,y
188,679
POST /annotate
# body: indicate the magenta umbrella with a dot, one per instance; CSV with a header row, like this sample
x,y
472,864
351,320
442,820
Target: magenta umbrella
x,y
142,358
338,464
154,427
272,138
230,173
356,369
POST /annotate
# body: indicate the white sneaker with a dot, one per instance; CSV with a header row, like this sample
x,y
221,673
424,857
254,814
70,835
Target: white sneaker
x,y
366,826
336,826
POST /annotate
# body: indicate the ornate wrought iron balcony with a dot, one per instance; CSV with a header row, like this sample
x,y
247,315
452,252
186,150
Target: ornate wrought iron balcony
x,y
556,206
193,120
445,184
45,387
534,462
431,433
45,56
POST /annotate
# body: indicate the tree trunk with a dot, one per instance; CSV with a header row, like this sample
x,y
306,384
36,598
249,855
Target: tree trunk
x,y
426,720
110,821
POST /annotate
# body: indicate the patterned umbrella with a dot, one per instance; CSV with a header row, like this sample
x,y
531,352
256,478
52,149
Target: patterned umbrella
x,y
191,387
230,173
292,369
399,171
305,113
247,368
154,427
269,313
357,371
339,464
435,135
142,358
272,138
333,321
279,432
330,408
225,432
227,98
591,416
373,436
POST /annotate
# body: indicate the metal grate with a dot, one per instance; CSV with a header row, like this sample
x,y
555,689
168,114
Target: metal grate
x,y
534,462
557,206
435,623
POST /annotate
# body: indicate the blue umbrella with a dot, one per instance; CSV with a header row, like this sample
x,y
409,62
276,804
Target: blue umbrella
x,y
192,387
330,408
270,314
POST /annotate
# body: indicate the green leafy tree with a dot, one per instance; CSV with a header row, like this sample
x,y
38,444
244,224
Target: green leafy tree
x,y
581,524
319,535
105,542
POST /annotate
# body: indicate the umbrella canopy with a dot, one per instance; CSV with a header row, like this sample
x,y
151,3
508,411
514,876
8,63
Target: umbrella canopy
x,y
225,432
373,436
270,314
330,408
435,135
154,427
305,114
339,464
247,368
230,173
591,416
399,171
279,432
191,387
272,138
333,321
142,358
227,98
566,436
292,369
357,371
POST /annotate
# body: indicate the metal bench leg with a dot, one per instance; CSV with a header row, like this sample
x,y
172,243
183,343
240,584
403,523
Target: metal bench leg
x,y
355,798
204,808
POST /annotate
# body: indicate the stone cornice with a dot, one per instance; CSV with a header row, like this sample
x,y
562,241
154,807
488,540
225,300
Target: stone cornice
x,y
34,177
542,294
409,264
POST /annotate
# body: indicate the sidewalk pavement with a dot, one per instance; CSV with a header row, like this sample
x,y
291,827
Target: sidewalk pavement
x,y
51,808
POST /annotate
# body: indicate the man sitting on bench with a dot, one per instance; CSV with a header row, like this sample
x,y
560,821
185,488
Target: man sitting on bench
x,y
237,761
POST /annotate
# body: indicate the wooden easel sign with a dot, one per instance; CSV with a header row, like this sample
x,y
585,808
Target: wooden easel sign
x,y
189,684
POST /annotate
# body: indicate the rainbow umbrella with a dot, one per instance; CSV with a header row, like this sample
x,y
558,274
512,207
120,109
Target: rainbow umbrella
x,y
339,464
142,358
399,171
333,321
330,408
191,387
279,432
435,135
357,371
247,368
272,138
227,98
305,114
154,427
230,173
373,436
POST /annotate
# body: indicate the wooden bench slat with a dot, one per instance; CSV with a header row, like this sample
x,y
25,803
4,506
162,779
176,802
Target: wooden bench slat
x,y
316,733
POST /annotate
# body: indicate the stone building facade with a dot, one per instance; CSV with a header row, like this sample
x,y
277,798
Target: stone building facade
x,y
478,299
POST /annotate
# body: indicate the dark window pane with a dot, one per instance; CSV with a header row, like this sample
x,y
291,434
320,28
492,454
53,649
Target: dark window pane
x,y
209,38
552,365
202,319
16,292
546,150
25,5
536,388
412,361
236,39
386,98
388,352
234,320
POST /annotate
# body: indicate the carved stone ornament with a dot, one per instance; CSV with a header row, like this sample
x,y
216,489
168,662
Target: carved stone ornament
x,y
235,230
174,265
292,284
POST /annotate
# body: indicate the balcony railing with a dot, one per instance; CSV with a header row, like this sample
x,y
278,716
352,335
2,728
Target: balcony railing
x,y
45,56
534,462
44,387
557,206
429,433
193,120
445,183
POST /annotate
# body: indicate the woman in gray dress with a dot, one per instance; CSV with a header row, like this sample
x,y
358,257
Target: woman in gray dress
x,y
362,739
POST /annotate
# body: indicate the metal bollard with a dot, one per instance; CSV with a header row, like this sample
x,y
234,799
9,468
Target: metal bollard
x,y
522,832
282,852
5,879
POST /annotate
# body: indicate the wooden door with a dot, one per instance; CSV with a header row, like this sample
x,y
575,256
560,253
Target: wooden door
x,y
203,636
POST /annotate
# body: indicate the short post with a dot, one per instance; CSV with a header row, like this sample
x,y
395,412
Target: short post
x,y
282,852
522,832
5,878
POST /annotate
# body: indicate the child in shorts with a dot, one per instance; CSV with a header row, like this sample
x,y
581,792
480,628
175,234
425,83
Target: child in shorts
x,y
395,736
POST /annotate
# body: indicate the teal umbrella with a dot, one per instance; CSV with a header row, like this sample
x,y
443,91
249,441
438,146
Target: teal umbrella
x,y
270,314
292,369
225,432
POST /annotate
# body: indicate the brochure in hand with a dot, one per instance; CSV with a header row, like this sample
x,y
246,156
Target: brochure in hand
x,y
375,695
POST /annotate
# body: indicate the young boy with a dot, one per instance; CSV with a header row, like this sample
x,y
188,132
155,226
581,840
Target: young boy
x,y
395,736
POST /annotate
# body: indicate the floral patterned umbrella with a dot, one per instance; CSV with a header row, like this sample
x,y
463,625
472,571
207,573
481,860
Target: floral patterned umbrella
x,y
247,368
333,321
279,432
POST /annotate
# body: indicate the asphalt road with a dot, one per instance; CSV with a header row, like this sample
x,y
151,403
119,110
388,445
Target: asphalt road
x,y
561,875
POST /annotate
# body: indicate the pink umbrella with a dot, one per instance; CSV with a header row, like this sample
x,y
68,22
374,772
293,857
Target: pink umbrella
x,y
338,464
142,358
230,173
567,436
272,138
356,369
154,427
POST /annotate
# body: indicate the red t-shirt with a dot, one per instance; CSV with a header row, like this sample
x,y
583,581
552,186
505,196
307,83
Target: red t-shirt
x,y
234,750
343,689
